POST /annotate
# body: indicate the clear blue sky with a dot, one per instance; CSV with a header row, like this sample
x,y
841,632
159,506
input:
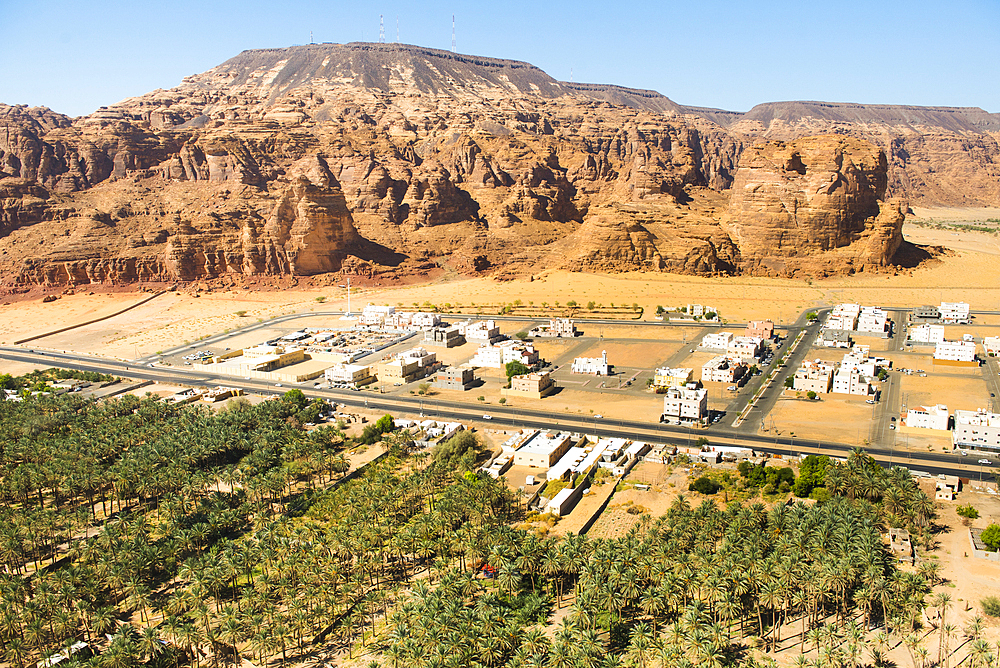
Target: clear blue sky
x,y
76,56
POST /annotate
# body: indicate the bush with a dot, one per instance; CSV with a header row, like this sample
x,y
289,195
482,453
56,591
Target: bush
x,y
820,495
968,512
591,306
810,395
637,510
991,606
991,536
459,450
704,485
789,382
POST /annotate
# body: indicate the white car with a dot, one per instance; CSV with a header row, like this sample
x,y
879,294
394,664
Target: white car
x,y
731,388
985,461
598,417
487,417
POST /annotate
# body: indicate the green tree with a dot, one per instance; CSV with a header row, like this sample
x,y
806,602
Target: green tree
x,y
385,424
515,368
810,395
459,450
295,397
991,536
968,512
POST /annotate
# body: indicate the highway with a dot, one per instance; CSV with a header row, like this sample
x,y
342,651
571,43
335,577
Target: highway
x,y
505,417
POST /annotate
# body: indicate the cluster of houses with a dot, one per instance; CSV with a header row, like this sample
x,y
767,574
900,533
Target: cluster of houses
x,y
955,353
974,430
853,375
847,318
568,457
954,313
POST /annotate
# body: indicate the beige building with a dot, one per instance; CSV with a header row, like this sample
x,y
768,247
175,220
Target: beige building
x,y
532,385
398,371
721,369
814,376
667,377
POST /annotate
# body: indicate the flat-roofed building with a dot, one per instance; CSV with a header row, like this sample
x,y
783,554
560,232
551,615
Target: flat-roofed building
x,y
668,377
955,312
542,450
557,327
355,374
444,337
956,352
375,315
421,356
398,371
518,351
925,314
456,378
928,417
745,346
488,356
992,345
760,329
716,341
872,320
850,381
979,430
701,311
926,333
813,376
688,405
721,369
531,385
835,338
592,365
424,321
484,330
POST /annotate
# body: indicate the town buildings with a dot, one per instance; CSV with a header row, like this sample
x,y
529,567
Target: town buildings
x,y
444,337
479,332
716,341
456,378
745,346
722,369
557,327
354,374
542,449
926,333
955,312
813,376
531,385
849,380
992,345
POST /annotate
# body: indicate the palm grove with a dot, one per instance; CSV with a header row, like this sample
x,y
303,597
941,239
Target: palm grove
x,y
171,535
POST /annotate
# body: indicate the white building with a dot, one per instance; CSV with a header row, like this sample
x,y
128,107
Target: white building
x,y
927,333
848,380
928,417
843,316
495,357
557,327
955,312
375,315
872,319
421,356
424,321
676,377
681,403
977,429
593,365
717,340
745,346
956,351
992,345
349,373
484,330
699,311
722,369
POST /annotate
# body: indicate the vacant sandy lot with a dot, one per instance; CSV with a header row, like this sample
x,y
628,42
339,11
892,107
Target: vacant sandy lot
x,y
643,355
836,417
954,387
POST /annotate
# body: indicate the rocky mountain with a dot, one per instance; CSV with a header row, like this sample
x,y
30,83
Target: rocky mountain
x,y
388,161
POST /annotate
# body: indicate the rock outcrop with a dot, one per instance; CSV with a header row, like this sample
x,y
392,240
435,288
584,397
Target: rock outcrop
x,y
794,202
392,160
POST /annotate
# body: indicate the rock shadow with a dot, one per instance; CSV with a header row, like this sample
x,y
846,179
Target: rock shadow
x,y
910,255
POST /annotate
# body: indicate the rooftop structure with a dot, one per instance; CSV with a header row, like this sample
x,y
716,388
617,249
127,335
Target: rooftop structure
x,y
848,380
484,330
835,338
376,315
872,320
456,378
925,314
745,346
353,374
532,385
444,337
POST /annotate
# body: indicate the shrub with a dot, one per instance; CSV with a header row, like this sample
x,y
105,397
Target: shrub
x,y
810,395
704,485
820,495
637,510
461,449
968,512
991,606
991,536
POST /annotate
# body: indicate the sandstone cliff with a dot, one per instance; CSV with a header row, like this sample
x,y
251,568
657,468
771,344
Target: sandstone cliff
x,y
388,160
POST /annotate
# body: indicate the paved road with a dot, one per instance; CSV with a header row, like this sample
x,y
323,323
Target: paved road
x,y
512,417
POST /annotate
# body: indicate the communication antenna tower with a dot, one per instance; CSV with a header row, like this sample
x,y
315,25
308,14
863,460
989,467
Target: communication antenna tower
x,y
397,29
571,75
311,37
381,30
453,49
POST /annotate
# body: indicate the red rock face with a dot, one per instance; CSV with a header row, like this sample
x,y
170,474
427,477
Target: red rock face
x,y
394,160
